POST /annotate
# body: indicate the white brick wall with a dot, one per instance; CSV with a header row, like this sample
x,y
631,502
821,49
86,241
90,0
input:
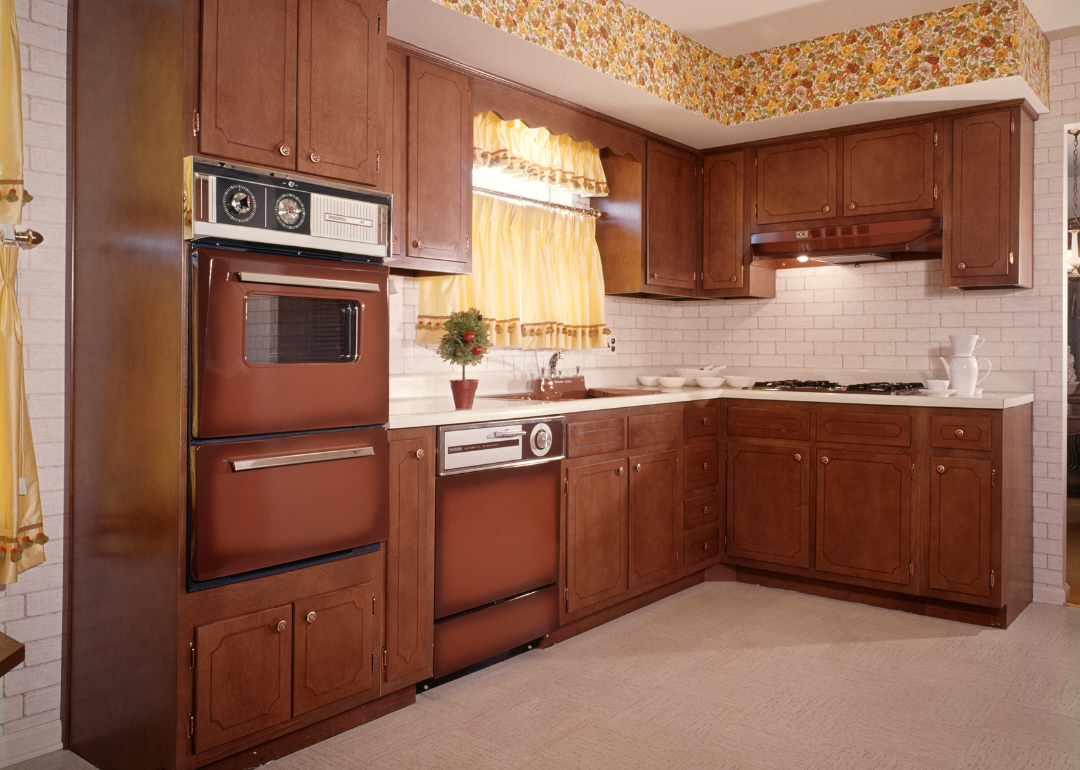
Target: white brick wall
x,y
885,316
30,610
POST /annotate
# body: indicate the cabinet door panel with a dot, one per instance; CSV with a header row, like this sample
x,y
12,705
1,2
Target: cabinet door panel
x,y
595,437
700,510
979,230
792,424
724,244
596,533
340,80
960,511
392,172
242,676
768,503
863,428
332,658
440,163
247,92
890,170
796,182
410,557
956,431
671,203
654,525
864,515
652,429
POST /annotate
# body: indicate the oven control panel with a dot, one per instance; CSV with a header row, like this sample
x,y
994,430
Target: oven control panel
x,y
465,448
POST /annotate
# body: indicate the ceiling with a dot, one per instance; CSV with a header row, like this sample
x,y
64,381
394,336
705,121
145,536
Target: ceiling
x,y
745,25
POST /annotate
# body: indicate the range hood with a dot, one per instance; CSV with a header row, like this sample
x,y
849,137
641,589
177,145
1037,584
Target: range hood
x,y
847,244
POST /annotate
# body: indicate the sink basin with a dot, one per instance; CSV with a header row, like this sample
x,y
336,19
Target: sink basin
x,y
568,389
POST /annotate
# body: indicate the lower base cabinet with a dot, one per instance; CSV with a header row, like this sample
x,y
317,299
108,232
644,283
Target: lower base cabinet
x,y
960,519
655,528
596,533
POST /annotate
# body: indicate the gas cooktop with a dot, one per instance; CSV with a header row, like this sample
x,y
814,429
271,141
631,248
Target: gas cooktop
x,y
824,386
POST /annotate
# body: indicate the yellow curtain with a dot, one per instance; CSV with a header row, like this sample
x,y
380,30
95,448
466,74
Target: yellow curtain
x,y
21,536
536,279
537,155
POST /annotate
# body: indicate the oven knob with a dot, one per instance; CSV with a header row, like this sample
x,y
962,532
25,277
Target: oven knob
x,y
240,202
541,439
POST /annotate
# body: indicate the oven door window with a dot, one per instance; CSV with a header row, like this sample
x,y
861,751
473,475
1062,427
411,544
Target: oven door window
x,y
300,330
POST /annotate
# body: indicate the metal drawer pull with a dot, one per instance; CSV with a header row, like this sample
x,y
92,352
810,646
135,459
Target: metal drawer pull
x,y
308,283
825,209
961,266
507,433
284,149
704,466
851,206
315,157
704,420
280,626
798,458
959,433
311,617
705,510
301,459
418,244
637,467
941,469
706,546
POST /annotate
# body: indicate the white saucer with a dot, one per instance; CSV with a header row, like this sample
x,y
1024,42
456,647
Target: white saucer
x,y
937,393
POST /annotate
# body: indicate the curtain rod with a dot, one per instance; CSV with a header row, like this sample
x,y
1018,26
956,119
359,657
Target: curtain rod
x,y
573,209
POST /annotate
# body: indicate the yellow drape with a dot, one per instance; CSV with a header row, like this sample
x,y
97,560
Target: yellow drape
x,y
11,135
537,155
21,535
536,279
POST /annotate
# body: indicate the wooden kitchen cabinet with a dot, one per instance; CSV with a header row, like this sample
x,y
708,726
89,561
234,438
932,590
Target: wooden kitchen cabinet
x,y
768,503
596,533
394,165
961,508
890,171
655,524
243,681
410,558
294,85
796,182
673,185
989,216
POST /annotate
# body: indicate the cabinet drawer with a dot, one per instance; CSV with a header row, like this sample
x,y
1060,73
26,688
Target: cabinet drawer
x,y
702,466
652,429
595,437
769,423
863,428
701,421
964,432
702,547
701,510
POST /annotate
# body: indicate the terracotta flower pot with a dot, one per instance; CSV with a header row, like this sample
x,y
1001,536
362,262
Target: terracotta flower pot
x,y
464,391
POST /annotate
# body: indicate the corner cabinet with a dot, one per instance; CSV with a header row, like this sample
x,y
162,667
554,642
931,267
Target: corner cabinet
x,y
429,160
988,221
295,85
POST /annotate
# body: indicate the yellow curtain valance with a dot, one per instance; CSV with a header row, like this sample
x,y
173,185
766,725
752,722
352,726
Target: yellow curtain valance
x,y
537,155
536,279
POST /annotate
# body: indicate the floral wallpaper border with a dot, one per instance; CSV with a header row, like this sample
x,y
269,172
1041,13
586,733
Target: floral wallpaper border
x,y
967,43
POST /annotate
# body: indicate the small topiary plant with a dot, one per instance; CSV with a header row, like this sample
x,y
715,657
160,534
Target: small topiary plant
x,y
466,340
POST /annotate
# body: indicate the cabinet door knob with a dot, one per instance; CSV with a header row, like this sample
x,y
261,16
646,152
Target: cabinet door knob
x,y
280,626
311,617
315,157
825,209
705,510
851,206
704,420
798,458
705,466
960,266
419,454
393,240
734,278
706,546
622,471
638,467
656,275
418,244
284,149
959,433
941,469
824,460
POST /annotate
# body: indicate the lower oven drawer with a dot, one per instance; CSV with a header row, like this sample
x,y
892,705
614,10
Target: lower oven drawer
x,y
264,502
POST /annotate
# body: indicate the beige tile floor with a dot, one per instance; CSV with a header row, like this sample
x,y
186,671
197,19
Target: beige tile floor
x,y
726,676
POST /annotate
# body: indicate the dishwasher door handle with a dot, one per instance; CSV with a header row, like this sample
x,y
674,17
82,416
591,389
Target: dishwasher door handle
x,y
508,433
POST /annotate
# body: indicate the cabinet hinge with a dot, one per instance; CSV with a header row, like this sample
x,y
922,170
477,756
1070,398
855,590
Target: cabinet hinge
x,y
195,123
566,487
372,605
468,94
377,167
190,724
993,473
755,210
1011,258
991,578
911,568
1012,127
755,161
380,26
913,472
935,138
377,171
566,596
373,663
384,659
191,656
468,243
725,542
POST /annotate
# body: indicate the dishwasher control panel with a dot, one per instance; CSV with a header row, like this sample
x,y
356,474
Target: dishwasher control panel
x,y
480,446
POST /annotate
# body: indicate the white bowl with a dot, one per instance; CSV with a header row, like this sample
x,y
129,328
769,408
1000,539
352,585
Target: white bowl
x,y
938,393
701,371
649,381
672,382
710,382
739,382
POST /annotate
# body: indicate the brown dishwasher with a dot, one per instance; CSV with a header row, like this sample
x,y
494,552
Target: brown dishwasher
x,y
496,538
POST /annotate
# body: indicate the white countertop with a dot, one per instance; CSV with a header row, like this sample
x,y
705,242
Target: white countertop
x,y
423,411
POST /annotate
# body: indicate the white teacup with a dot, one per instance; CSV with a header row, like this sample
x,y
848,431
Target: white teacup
x,y
965,344
937,384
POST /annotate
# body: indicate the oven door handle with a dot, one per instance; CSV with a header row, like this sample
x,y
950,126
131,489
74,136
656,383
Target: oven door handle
x,y
305,282
301,459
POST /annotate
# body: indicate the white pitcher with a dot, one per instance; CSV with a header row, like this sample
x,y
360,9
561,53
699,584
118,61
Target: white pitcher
x,y
965,344
963,372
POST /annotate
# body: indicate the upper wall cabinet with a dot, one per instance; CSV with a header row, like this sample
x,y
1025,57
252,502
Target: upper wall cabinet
x,y
890,171
294,85
988,222
672,200
796,182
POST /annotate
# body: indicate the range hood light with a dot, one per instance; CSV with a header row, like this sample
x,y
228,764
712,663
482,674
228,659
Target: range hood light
x,y
802,258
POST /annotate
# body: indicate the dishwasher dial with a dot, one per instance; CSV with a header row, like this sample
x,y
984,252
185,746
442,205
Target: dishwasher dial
x,y
540,440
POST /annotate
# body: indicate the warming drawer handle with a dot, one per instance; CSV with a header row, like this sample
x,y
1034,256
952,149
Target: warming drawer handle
x,y
307,457
302,281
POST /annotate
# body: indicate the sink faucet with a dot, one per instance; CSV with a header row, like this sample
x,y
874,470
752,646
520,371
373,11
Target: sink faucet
x,y
553,363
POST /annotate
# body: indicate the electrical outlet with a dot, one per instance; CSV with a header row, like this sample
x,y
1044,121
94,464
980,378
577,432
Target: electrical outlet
x,y
611,344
